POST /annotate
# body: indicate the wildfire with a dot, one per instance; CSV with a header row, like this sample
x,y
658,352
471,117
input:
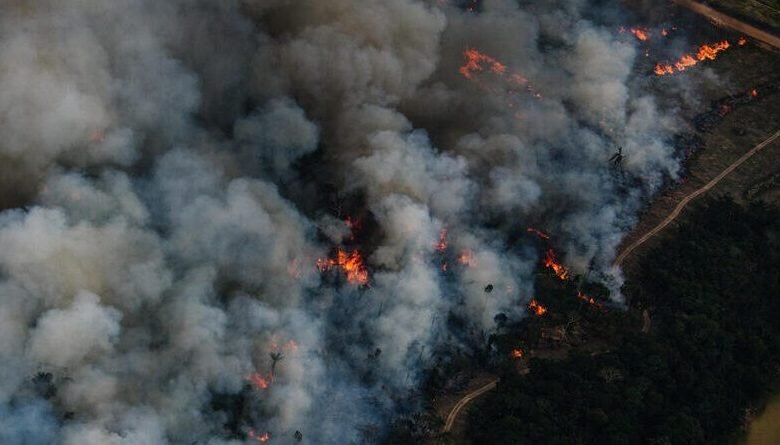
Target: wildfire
x,y
350,263
474,64
742,41
705,52
551,262
754,92
262,438
259,381
477,62
517,353
587,299
536,307
640,33
466,258
441,246
538,233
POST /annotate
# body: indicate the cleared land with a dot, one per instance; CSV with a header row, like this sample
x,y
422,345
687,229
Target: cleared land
x,y
693,195
768,13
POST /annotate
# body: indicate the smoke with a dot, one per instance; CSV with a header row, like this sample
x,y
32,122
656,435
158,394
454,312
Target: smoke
x,y
172,171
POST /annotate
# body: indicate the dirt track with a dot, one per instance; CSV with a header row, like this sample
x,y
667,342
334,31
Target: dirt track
x,y
681,205
464,401
722,19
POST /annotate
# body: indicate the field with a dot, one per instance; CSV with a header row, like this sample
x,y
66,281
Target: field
x,y
763,14
738,131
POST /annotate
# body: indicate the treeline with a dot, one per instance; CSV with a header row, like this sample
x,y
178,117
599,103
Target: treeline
x,y
713,353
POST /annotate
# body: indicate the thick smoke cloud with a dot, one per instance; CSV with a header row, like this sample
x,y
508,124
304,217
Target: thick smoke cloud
x,y
169,176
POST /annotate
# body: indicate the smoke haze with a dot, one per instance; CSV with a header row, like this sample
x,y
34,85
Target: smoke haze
x,y
173,170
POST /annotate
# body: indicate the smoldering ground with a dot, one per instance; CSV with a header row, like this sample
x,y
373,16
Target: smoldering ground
x,y
172,171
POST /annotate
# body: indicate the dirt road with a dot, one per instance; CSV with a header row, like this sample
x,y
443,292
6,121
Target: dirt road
x,y
693,196
727,21
464,401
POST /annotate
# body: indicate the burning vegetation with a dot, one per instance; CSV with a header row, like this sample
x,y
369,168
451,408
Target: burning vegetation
x,y
640,33
551,262
349,263
536,307
588,299
538,233
441,245
260,381
477,62
260,437
705,52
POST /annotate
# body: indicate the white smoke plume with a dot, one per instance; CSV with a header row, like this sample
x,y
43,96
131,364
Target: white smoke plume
x,y
172,171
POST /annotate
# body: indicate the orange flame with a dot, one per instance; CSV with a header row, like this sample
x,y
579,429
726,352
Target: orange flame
x,y
536,307
441,246
538,233
742,41
587,299
262,438
640,33
258,381
349,263
474,61
477,62
705,52
466,258
551,262
517,353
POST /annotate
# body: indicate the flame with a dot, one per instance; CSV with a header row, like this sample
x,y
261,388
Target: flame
x,y
477,62
466,258
262,438
349,263
259,381
536,307
441,246
742,41
664,32
640,33
754,92
705,52
538,233
517,353
474,61
551,262
588,299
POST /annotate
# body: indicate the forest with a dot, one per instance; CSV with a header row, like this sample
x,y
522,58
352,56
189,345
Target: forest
x,y
709,362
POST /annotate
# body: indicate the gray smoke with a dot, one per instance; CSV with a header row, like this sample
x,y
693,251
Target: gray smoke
x,y
172,171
